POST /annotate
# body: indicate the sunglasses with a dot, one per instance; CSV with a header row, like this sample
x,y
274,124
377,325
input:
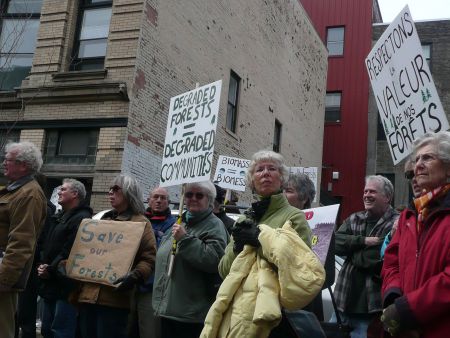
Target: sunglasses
x,y
115,188
409,175
198,195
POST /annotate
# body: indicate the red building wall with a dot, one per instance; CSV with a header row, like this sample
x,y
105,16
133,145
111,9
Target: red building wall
x,y
345,143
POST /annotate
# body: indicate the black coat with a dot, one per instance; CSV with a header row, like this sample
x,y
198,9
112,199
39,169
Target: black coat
x,y
56,247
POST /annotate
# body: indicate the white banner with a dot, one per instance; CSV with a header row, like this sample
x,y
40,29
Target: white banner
x,y
404,90
190,136
230,172
322,222
311,172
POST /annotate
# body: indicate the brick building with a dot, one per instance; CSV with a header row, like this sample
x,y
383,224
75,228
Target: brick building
x,y
92,88
435,39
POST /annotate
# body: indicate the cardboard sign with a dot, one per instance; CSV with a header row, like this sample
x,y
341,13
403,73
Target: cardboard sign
x,y
190,136
104,250
311,172
404,90
322,221
230,172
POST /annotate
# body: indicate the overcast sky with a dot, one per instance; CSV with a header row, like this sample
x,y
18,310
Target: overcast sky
x,y
420,9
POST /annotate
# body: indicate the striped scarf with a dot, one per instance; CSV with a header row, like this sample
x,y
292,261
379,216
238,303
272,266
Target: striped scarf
x,y
423,202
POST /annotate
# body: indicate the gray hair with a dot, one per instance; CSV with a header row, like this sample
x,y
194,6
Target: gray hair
x,y
440,141
207,187
388,188
76,186
267,155
132,192
27,153
304,187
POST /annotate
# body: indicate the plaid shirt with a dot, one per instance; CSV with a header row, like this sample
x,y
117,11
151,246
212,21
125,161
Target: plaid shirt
x,y
350,243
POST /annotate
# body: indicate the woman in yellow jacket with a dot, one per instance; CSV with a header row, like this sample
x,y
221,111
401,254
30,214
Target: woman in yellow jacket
x,y
267,262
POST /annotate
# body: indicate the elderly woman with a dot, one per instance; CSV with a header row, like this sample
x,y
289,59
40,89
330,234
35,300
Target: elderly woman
x,y
416,270
300,191
266,176
183,298
104,309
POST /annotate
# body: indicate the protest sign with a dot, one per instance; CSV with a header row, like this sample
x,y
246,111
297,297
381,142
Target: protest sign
x,y
230,172
322,221
104,250
406,96
190,135
311,172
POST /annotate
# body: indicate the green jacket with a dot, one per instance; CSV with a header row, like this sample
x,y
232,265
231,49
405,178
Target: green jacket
x,y
278,212
186,295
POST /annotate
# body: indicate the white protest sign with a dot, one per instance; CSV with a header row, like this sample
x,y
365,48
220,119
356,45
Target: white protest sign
x,y
404,90
322,221
190,136
230,172
311,172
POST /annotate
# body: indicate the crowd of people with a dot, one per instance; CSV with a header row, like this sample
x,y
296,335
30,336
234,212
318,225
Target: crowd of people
x,y
206,275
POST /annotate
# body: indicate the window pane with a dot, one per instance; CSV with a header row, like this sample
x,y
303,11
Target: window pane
x,y
14,68
19,35
24,6
232,91
335,48
426,49
73,143
95,23
92,48
335,40
335,34
231,118
333,100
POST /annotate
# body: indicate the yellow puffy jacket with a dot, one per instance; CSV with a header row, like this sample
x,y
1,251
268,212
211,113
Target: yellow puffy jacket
x,y
250,299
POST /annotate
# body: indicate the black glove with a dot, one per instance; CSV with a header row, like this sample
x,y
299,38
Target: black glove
x,y
391,320
245,232
127,282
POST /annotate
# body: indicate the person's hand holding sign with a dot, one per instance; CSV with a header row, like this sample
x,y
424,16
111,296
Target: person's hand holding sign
x,y
178,231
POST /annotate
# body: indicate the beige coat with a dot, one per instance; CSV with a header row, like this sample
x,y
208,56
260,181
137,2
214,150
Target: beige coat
x,y
250,298
22,214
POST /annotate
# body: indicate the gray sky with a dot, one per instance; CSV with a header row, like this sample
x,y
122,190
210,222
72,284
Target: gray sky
x,y
420,9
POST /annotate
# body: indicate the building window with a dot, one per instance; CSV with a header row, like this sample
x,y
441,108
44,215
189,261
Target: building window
x,y
71,146
333,107
19,25
335,41
277,136
233,93
426,50
92,36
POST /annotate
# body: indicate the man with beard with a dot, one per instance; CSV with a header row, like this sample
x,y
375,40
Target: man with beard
x,y
359,239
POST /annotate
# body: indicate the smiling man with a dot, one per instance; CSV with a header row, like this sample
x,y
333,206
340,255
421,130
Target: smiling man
x,y
359,239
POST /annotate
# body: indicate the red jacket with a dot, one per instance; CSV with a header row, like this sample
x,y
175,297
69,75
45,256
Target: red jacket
x,y
416,271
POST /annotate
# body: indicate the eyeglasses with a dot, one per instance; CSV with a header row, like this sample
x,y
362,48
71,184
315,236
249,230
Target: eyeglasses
x,y
115,188
409,175
198,195
426,158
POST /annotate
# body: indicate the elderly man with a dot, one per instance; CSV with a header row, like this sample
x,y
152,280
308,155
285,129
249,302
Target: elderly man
x,y
359,239
22,213
143,323
59,318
